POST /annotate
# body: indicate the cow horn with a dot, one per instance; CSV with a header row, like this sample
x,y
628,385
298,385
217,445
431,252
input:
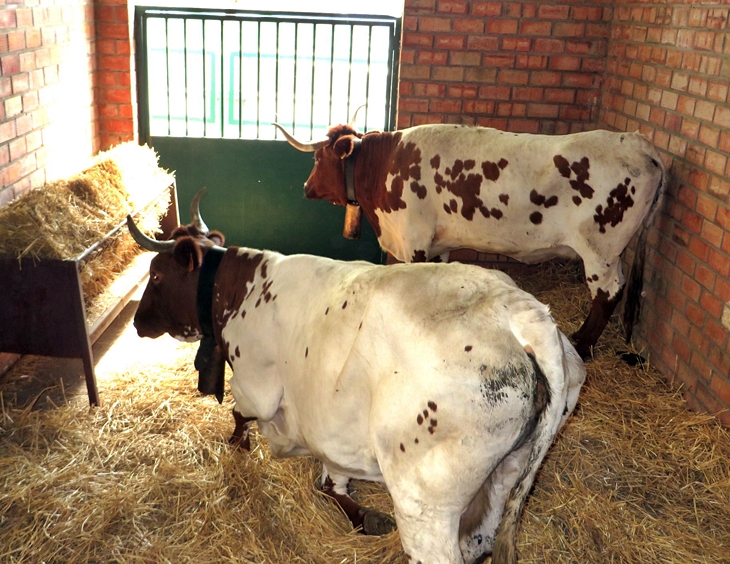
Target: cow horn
x,y
309,147
195,213
354,116
147,242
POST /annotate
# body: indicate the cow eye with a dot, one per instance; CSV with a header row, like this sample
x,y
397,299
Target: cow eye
x,y
154,277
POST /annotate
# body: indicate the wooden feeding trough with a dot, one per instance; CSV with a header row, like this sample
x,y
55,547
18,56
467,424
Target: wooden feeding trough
x,y
44,307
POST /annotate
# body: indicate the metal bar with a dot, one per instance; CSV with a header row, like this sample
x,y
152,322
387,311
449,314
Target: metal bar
x,y
258,82
349,78
294,101
276,73
332,67
314,59
143,107
205,100
367,76
185,59
223,87
167,74
240,80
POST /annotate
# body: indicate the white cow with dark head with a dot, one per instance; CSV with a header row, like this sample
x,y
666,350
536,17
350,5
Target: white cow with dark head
x,y
435,188
446,382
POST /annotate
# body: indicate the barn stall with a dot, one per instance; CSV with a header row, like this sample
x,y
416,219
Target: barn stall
x,y
149,476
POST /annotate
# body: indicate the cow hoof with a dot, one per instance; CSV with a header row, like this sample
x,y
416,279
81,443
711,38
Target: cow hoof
x,y
375,523
240,443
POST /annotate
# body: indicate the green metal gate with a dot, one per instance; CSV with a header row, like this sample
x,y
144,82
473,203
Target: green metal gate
x,y
210,83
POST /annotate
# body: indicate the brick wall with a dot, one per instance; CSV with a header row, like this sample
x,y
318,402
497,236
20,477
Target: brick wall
x,y
47,123
115,77
56,110
668,75
531,67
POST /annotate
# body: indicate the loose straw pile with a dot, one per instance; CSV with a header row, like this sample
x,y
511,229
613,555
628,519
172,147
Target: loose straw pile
x,y
633,477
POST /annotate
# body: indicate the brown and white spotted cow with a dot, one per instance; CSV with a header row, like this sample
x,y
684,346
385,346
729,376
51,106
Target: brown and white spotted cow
x,y
435,188
446,382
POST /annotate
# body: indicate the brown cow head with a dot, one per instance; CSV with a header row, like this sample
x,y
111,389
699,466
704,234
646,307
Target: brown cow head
x,y
168,304
171,301
327,179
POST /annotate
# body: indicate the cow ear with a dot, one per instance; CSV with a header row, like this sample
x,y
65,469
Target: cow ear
x,y
344,146
217,237
187,253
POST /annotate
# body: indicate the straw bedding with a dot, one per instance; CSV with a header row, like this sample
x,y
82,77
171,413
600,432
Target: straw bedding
x,y
149,477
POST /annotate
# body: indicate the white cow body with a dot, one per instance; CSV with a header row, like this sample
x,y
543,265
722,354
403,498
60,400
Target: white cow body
x,y
343,360
431,189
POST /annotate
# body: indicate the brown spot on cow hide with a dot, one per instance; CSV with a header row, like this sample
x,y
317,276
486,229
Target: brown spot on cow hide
x,y
238,351
306,352
454,206
435,161
577,201
419,419
618,201
263,268
419,256
359,326
467,187
419,190
540,200
415,440
504,198
594,278
447,209
581,171
402,448
496,213
326,311
432,406
235,274
490,170
425,413
467,348
536,218
344,305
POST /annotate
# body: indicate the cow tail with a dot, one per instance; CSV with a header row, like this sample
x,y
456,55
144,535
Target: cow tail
x,y
552,390
635,285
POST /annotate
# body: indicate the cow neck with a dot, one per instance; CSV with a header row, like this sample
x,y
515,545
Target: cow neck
x,y
350,162
206,350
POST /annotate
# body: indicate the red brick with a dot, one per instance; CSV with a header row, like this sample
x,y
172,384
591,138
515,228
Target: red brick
x,y
452,7
721,387
502,27
712,233
7,19
691,288
445,106
482,43
705,276
505,60
463,91
469,25
712,305
513,77
418,40
716,332
699,249
487,9
434,24
517,44
681,346
549,45
553,12
535,28
450,41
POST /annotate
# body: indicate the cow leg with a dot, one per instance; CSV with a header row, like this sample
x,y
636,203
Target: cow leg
x,y
601,309
479,523
240,437
606,283
370,521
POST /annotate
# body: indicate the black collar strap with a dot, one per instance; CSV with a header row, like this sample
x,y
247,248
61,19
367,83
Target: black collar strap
x,y
350,161
209,360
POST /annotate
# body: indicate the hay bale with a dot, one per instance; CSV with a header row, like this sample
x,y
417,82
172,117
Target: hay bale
x,y
633,477
62,219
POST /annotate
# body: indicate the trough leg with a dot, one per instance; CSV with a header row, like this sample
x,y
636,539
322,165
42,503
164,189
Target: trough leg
x,y
370,521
